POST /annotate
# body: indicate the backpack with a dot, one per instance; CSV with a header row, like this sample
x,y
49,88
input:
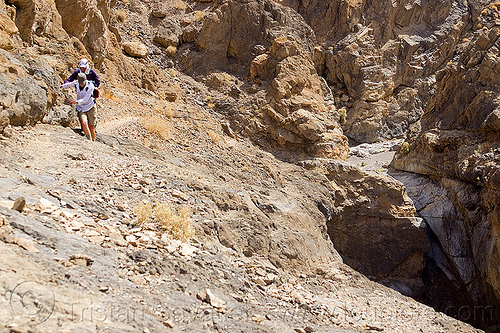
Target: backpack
x,y
96,92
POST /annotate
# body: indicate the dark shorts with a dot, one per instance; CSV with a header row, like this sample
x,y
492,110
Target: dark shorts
x,y
90,115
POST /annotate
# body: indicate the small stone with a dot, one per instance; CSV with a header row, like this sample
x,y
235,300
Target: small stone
x,y
260,281
131,240
81,259
19,204
257,318
216,302
309,329
169,324
202,295
117,239
299,330
26,244
180,195
104,288
187,250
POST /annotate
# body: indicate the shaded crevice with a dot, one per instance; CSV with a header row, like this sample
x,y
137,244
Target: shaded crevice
x,y
458,291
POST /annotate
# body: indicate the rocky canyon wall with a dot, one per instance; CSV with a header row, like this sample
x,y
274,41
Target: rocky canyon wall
x,y
299,78
457,143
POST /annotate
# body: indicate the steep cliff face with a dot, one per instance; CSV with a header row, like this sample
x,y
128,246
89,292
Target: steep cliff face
x,y
382,55
457,141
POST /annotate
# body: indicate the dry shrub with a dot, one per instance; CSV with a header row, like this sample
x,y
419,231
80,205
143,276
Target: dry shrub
x,y
144,211
121,16
172,72
158,126
178,224
210,105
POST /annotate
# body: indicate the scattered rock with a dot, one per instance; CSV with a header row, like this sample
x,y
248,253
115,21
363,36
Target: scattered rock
x,y
135,49
19,204
25,244
81,259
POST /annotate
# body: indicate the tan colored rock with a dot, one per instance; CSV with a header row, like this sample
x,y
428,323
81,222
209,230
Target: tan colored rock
x,y
258,65
39,18
26,244
454,143
19,204
87,22
135,49
7,29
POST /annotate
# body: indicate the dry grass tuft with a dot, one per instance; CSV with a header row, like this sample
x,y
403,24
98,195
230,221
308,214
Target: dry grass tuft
x,y
144,211
176,222
158,126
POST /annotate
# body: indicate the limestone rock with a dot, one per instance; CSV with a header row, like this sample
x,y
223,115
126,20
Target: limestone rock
x,y
168,34
7,29
87,21
135,49
19,204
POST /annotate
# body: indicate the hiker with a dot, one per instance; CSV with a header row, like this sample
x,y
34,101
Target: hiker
x,y
83,67
85,104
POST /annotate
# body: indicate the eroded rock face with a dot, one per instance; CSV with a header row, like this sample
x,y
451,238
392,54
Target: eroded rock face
x,y
374,226
384,55
233,32
457,140
87,21
27,89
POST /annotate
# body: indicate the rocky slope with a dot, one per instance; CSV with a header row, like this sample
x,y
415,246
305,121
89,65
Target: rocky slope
x,y
185,85
76,257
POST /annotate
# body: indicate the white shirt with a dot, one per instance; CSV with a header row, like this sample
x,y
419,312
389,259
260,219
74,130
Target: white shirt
x,y
84,96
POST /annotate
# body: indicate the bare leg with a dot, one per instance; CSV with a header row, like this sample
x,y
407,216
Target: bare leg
x,y
92,132
85,126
